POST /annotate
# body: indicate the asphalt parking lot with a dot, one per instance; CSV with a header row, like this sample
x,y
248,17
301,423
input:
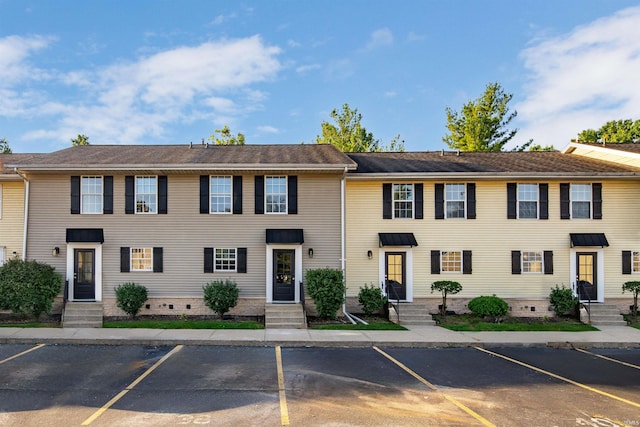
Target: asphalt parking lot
x,y
135,385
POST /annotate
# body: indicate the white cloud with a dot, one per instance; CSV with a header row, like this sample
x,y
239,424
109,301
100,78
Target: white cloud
x,y
268,129
135,101
14,54
305,68
582,79
379,38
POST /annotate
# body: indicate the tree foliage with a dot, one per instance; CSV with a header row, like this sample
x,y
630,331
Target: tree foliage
x,y
613,131
445,287
4,146
81,139
538,147
224,137
481,125
633,286
348,134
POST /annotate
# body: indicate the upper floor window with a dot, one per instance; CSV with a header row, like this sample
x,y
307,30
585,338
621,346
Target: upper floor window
x,y
221,194
146,194
276,194
528,201
581,201
403,200
91,195
454,200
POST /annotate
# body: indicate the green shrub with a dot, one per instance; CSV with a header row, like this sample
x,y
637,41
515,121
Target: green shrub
x,y
221,296
486,306
326,287
28,287
562,300
446,287
371,299
633,287
130,298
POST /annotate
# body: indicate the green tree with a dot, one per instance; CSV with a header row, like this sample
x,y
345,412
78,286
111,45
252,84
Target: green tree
x,y
538,147
224,137
81,139
633,287
446,287
4,146
481,125
613,131
348,134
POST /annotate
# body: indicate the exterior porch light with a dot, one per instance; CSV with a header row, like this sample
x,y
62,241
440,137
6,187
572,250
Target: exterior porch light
x,y
310,252
55,251
369,254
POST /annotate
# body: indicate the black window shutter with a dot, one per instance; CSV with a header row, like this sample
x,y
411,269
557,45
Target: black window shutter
x,y
259,194
564,201
543,195
466,262
129,195
162,194
242,260
435,262
237,195
419,201
75,195
292,196
157,260
107,196
516,267
626,262
386,201
471,201
208,260
125,265
439,188
596,195
204,194
512,200
548,262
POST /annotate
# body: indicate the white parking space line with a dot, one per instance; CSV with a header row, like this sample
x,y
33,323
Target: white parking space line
x,y
21,354
127,389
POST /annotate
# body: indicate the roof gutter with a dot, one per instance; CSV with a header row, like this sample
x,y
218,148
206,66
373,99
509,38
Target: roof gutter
x,y
487,176
184,167
26,213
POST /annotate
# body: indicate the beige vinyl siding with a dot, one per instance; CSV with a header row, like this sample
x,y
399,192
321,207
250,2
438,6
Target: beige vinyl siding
x,y
12,218
491,238
184,233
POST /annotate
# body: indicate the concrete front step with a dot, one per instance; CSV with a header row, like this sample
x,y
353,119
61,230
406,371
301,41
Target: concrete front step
x,y
606,315
413,314
284,316
82,315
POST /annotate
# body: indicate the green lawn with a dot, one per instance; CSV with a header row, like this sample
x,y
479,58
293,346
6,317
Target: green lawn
x,y
183,324
30,325
468,323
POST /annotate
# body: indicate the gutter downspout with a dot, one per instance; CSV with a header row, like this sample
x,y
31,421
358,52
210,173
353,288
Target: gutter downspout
x,y
26,213
343,254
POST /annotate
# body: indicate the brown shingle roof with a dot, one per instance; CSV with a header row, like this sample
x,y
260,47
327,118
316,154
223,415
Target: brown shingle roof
x,y
485,163
167,156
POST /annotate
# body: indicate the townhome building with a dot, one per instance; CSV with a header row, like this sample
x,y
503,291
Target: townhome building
x,y
510,224
175,217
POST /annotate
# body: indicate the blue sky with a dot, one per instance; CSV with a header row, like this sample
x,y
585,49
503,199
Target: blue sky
x,y
170,72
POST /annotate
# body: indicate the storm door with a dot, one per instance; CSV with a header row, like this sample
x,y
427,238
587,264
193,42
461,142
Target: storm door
x,y
586,276
84,274
395,275
284,270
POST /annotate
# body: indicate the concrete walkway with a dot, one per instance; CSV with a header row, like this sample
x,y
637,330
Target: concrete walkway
x,y
416,336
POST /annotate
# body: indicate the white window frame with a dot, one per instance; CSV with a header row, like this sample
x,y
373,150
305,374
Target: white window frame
x,y
574,199
229,259
407,190
267,194
100,196
533,199
147,254
635,262
537,257
0,201
3,254
225,195
448,200
154,195
442,261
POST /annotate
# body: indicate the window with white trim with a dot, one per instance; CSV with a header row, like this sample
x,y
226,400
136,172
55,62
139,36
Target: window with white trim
x,y
580,201
221,195
454,200
225,259
403,200
141,259
91,195
2,255
528,201
635,262
146,194
0,201
276,194
451,261
532,262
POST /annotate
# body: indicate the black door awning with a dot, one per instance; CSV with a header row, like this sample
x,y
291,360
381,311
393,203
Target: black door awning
x,y
85,235
287,235
588,239
397,239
